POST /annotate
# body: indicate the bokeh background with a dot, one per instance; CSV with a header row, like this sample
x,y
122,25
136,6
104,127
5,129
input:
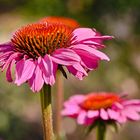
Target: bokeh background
x,y
20,109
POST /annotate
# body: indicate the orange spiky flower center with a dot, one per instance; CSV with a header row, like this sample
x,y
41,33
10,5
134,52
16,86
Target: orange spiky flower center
x,y
61,20
98,101
39,39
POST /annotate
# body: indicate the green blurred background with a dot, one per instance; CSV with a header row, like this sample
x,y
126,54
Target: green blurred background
x,y
20,108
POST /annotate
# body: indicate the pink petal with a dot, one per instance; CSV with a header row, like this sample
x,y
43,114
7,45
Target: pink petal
x,y
36,81
122,118
12,56
112,114
77,98
82,117
24,71
74,100
89,121
89,36
77,70
89,61
99,37
92,51
117,105
92,114
8,72
65,57
80,68
131,102
5,55
5,47
70,110
131,114
95,42
136,107
76,73
103,114
83,33
49,69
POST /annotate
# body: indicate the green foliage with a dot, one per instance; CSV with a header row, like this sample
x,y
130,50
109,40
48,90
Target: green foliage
x,y
46,7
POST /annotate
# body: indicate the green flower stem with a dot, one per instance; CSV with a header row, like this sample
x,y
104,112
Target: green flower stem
x,y
101,130
59,104
47,112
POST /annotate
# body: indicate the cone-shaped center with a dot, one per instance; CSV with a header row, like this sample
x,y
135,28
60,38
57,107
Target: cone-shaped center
x,y
61,20
39,39
98,101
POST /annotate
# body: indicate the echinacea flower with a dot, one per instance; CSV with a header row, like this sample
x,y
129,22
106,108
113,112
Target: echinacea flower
x,y
38,50
61,20
90,108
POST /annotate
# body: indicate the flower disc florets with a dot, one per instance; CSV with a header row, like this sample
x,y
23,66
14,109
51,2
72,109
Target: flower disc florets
x,y
98,101
36,40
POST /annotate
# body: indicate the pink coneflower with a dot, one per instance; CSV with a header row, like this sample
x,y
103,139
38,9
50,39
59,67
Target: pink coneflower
x,y
38,50
90,108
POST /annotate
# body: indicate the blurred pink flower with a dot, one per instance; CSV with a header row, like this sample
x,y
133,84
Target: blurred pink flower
x,y
105,106
38,50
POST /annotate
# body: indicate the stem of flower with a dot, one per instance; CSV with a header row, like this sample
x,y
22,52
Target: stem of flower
x,y
47,112
58,104
101,130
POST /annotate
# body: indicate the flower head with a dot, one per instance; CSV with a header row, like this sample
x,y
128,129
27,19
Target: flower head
x,y
61,20
38,50
87,109
36,40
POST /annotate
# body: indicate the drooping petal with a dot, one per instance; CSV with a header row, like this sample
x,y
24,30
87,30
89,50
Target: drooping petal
x,y
135,107
72,110
92,114
89,121
131,102
5,47
74,100
77,70
121,118
24,71
49,69
65,57
112,114
103,114
117,105
92,51
82,117
83,33
5,54
131,114
89,61
89,36
36,81
77,99
95,42
12,56
8,72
